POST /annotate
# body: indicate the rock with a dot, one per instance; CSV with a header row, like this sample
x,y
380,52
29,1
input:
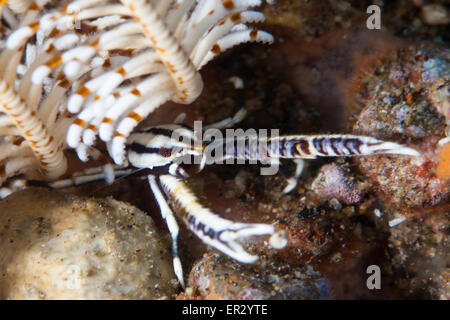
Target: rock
x,y
402,103
334,182
218,277
58,246
420,254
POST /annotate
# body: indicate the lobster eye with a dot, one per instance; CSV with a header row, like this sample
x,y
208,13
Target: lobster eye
x,y
165,152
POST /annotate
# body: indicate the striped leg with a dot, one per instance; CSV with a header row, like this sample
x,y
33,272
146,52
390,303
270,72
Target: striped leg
x,y
79,178
306,147
169,217
336,145
292,181
299,147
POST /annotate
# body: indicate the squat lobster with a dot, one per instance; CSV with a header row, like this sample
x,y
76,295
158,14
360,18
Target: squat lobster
x,y
130,57
155,148
159,150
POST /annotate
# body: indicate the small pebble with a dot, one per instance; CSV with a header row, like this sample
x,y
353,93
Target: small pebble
x,y
435,14
58,246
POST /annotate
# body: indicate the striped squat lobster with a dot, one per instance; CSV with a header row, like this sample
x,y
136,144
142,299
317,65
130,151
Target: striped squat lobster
x,y
162,150
75,70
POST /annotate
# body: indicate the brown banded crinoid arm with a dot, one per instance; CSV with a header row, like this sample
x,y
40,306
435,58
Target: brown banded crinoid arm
x,y
121,60
36,149
32,122
21,6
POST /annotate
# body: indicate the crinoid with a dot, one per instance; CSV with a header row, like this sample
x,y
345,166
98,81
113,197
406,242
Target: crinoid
x,y
85,68
120,62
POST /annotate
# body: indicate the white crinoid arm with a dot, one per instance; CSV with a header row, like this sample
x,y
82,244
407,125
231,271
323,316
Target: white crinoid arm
x,y
213,28
202,22
21,6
